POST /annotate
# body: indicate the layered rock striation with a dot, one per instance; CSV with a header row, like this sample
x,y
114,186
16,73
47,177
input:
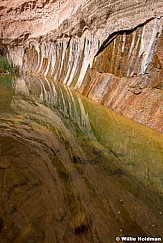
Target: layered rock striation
x,y
110,51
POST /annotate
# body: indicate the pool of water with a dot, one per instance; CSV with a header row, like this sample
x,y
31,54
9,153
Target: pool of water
x,y
72,170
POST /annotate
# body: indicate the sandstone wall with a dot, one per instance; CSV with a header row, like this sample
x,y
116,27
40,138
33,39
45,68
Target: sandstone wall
x,y
110,51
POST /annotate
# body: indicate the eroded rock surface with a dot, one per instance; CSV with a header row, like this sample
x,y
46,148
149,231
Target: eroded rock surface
x,y
110,51
72,170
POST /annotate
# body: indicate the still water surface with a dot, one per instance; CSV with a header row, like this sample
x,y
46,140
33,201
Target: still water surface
x,y
72,170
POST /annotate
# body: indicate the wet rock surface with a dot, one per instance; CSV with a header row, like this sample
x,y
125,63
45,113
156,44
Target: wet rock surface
x,y
70,169
64,180
110,51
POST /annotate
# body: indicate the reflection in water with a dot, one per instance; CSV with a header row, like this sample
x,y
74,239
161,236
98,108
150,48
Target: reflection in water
x,y
73,171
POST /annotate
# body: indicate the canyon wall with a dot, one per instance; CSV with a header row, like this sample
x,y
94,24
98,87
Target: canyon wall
x,y
110,51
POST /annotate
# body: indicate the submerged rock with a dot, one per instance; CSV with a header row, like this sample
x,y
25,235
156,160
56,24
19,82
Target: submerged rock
x,y
79,223
1,223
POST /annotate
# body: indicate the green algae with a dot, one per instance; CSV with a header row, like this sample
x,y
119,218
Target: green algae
x,y
6,66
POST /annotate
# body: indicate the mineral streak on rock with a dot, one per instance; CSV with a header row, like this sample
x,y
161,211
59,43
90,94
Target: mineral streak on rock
x,y
110,51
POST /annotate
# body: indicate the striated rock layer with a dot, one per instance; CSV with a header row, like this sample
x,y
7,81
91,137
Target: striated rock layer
x,y
110,51
67,176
